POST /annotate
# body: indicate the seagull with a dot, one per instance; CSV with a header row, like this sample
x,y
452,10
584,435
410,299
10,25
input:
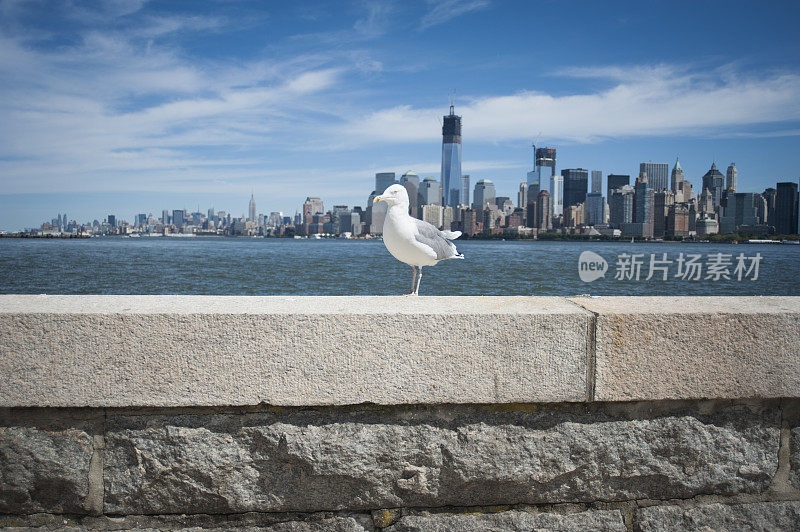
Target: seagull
x,y
415,242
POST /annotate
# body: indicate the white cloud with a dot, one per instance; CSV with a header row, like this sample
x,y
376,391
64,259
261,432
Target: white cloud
x,y
445,10
643,101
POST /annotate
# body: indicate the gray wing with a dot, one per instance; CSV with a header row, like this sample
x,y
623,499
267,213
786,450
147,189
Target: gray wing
x,y
430,236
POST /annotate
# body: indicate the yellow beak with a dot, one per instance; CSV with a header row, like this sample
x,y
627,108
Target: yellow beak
x,y
378,198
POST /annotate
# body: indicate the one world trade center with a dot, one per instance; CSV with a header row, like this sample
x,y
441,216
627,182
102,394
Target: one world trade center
x,y
452,189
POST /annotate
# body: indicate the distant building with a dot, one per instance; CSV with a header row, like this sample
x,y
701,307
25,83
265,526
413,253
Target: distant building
x,y
662,201
313,206
595,209
451,159
576,181
447,218
522,195
504,204
769,196
761,209
178,218
484,194
531,211
714,182
112,220
740,209
434,215
384,180
786,201
678,221
707,226
677,175
251,210
656,175
544,168
621,206
464,189
557,194
685,193
544,219
597,182
643,199
471,223
615,181
430,191
730,177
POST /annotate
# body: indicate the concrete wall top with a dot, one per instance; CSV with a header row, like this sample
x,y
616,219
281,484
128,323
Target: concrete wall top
x,y
123,351
695,347
270,305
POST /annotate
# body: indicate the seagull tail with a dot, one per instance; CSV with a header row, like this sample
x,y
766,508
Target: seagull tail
x,y
459,256
451,235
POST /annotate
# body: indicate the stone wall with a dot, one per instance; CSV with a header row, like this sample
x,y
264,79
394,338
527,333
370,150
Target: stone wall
x,y
706,433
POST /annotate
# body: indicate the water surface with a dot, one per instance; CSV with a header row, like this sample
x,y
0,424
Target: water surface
x,y
257,266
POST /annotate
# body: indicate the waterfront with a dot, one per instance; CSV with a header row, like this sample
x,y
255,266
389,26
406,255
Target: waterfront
x,y
250,266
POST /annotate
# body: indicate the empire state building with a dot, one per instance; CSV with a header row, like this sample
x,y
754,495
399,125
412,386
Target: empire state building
x,y
452,190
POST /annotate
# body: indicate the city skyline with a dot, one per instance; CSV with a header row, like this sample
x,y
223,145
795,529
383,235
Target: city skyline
x,y
585,208
141,105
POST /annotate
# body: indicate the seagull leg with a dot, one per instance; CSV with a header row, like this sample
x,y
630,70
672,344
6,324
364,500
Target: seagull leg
x,y
413,279
419,280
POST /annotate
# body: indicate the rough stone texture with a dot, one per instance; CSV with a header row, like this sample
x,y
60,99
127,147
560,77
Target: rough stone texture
x,y
44,464
116,351
696,347
198,522
794,457
362,459
503,521
767,516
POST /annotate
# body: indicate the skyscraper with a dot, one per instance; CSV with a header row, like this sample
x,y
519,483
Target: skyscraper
x,y
656,175
311,207
544,219
643,199
522,195
465,189
595,209
557,194
452,187
620,204
662,200
740,210
714,181
730,177
576,183
597,182
177,217
786,208
484,194
544,167
384,180
677,175
769,195
430,191
615,181
251,210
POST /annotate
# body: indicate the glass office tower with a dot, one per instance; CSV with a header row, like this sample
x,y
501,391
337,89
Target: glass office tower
x,y
544,168
452,187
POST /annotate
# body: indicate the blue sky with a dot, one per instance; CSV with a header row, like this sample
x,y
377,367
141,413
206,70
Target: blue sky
x,y
133,106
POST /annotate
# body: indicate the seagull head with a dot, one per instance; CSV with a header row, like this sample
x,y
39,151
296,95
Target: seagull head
x,y
394,195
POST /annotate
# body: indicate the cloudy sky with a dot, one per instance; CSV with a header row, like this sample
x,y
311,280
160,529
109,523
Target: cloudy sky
x,y
131,106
